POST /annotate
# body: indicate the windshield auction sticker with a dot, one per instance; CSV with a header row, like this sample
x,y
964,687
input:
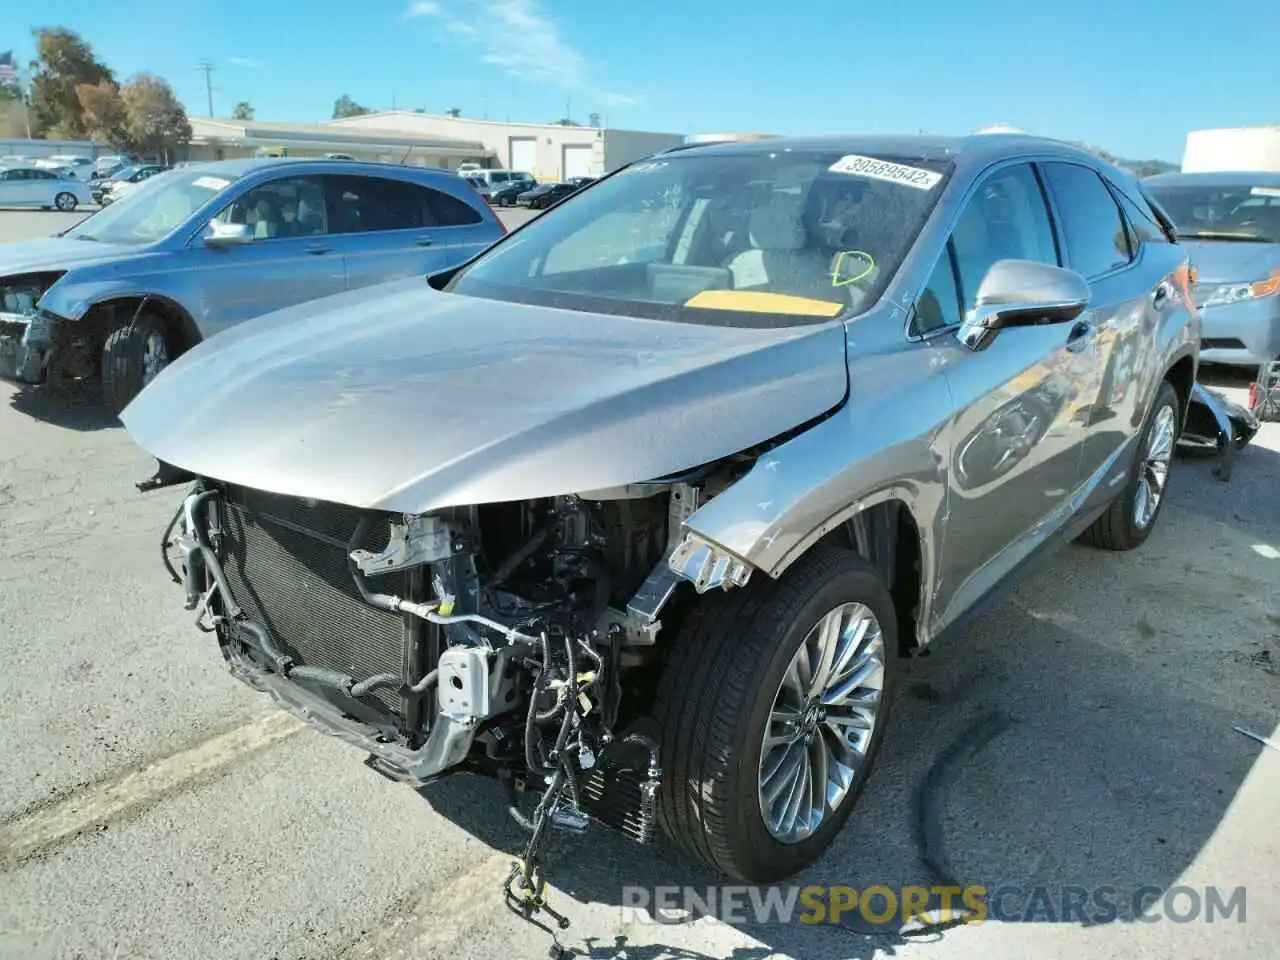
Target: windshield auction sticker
x,y
210,183
875,169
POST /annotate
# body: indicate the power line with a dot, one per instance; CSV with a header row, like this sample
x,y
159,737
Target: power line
x,y
207,68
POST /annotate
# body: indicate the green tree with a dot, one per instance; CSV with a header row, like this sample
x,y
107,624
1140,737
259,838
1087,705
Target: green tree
x,y
344,106
103,113
156,122
243,111
64,61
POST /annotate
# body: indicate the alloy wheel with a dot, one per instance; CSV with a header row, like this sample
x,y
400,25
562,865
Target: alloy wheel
x,y
821,722
1154,468
155,357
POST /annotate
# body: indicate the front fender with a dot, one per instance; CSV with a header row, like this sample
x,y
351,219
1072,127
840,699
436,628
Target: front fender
x,y
71,298
886,443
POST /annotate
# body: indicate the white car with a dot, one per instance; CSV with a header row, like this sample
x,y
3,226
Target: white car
x,y
80,166
39,187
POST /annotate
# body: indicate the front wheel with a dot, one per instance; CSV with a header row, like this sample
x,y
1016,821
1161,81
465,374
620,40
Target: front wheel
x,y
66,202
1132,515
132,356
771,708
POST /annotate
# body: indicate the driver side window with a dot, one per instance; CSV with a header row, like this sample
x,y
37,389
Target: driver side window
x,y
281,209
1006,218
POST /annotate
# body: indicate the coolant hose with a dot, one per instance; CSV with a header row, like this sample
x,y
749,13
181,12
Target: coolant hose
x,y
190,508
328,678
383,601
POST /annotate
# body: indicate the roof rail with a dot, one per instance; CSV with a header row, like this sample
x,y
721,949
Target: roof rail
x,y
688,146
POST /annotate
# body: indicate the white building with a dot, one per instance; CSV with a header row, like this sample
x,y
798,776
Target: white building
x,y
548,151
225,139
1232,148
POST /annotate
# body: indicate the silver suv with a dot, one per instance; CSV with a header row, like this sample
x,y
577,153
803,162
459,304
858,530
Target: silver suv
x,y
191,252
643,509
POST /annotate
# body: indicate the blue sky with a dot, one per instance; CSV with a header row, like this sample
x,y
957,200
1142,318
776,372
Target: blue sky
x,y
1131,77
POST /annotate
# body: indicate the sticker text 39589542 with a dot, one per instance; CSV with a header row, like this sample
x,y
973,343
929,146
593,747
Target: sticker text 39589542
x,y
875,169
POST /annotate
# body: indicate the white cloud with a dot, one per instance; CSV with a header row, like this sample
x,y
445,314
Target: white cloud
x,y
607,99
247,62
517,37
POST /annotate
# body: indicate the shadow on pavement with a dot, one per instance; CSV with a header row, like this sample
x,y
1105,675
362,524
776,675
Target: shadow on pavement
x,y
1021,755
82,410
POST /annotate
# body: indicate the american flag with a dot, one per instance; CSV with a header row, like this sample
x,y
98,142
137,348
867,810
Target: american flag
x,y
8,73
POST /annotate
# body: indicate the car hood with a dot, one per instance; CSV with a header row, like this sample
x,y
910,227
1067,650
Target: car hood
x,y
56,253
1230,261
407,399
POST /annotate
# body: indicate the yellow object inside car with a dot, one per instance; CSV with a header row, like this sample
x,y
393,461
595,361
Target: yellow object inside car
x,y
759,301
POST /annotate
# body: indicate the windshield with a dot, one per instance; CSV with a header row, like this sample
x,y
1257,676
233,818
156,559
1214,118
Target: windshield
x,y
756,239
158,206
1222,212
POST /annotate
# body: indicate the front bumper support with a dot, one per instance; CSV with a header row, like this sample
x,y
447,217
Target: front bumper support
x,y
26,343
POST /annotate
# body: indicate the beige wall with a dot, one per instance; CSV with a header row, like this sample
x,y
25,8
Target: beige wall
x,y
611,148
623,146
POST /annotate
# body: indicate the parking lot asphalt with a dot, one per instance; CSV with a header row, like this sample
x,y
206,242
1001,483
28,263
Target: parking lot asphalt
x,y
1078,735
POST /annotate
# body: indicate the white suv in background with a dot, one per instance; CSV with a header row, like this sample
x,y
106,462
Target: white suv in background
x,y
81,167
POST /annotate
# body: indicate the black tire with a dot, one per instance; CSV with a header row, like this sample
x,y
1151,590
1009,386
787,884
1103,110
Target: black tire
x,y
66,202
125,359
715,696
1118,529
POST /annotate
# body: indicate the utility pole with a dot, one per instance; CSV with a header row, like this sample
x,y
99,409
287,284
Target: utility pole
x,y
207,68
568,108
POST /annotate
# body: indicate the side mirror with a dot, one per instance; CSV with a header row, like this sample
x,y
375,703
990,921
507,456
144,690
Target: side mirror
x,y
1022,293
228,234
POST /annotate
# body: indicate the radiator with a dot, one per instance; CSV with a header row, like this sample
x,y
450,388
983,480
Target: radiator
x,y
286,563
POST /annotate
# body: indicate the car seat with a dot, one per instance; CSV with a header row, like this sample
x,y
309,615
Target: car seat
x,y
782,259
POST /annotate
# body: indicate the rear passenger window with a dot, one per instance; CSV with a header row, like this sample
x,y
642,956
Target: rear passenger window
x,y
449,211
1097,241
365,204
1143,227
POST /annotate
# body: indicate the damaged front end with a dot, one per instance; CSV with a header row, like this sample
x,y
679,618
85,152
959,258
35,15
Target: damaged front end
x,y
511,639
26,332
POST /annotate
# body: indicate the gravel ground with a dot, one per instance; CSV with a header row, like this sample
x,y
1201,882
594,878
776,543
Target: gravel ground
x,y
1079,734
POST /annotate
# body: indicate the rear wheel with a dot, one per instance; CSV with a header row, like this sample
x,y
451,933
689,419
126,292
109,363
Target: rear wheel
x,y
1132,515
772,707
133,356
66,202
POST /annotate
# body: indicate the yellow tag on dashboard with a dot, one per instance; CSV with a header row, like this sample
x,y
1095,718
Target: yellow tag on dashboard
x,y
759,301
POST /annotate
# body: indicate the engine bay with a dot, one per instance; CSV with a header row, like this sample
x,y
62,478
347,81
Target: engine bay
x,y
517,640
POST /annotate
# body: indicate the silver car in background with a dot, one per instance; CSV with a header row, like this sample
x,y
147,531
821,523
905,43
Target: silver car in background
x,y
1229,224
642,509
48,189
194,251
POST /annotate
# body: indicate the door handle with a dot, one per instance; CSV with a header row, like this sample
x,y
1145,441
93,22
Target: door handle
x,y
1080,336
316,249
423,242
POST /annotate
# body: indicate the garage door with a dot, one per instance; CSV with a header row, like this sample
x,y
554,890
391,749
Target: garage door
x,y
524,154
577,161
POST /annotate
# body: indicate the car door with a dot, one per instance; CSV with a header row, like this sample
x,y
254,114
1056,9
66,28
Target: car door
x,y
292,258
1014,442
45,185
20,189
390,229
11,189
1125,310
